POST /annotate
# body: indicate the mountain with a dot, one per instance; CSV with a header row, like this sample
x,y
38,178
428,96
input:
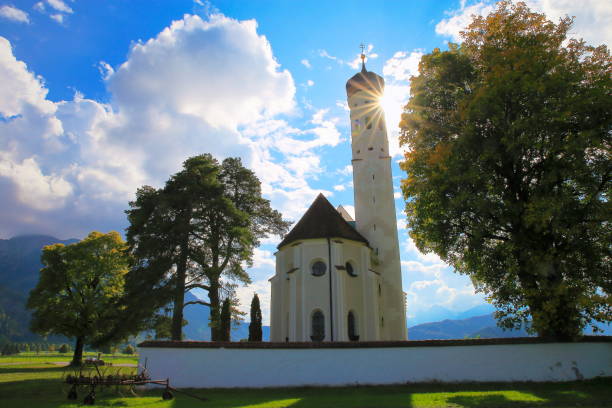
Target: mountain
x,y
438,313
197,328
19,271
478,326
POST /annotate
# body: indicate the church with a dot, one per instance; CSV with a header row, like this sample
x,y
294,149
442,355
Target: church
x,y
339,279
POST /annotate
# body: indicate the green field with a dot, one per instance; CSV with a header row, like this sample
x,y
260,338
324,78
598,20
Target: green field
x,y
33,383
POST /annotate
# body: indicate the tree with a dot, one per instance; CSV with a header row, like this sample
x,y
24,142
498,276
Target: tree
x,y
255,326
79,291
226,321
508,163
129,349
199,231
64,348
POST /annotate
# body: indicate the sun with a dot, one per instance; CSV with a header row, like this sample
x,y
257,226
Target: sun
x,y
392,105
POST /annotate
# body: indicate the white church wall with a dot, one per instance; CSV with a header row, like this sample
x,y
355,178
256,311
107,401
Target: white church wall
x,y
293,365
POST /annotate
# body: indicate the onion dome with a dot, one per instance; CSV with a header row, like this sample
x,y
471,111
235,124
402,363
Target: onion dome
x,y
365,81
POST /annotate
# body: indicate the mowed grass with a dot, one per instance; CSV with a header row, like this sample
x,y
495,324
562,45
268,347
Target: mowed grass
x,y
55,357
38,384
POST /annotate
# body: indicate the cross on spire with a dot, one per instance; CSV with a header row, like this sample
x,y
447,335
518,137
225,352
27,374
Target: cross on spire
x,y
363,47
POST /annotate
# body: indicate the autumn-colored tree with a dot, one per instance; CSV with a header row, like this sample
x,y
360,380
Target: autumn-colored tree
x,y
509,170
80,290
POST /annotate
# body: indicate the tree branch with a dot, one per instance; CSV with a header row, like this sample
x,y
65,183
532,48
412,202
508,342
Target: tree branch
x,y
196,285
196,302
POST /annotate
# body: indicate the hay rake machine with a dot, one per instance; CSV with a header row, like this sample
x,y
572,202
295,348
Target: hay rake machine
x,y
87,380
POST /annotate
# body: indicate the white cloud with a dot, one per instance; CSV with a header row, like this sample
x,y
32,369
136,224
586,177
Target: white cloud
x,y
263,290
339,187
306,63
346,170
403,65
459,19
169,100
14,14
310,82
397,72
60,6
593,18
430,258
59,18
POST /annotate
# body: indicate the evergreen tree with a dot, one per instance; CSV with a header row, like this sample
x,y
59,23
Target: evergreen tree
x,y
199,231
255,333
226,320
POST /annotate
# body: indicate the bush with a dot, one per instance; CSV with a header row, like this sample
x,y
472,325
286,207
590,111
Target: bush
x,y
64,348
129,349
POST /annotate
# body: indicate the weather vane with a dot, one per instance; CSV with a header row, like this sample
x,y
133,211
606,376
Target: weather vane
x,y
363,47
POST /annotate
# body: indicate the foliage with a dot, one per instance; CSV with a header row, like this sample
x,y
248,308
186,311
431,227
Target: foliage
x,y
255,332
64,348
129,349
226,321
199,231
79,291
508,164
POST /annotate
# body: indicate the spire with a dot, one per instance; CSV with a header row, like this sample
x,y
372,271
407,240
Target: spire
x,y
363,68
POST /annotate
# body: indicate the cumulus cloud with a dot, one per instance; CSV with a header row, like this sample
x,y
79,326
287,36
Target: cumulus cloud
x,y
593,18
306,63
14,14
176,95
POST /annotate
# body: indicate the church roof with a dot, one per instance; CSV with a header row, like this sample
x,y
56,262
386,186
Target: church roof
x,y
322,220
365,81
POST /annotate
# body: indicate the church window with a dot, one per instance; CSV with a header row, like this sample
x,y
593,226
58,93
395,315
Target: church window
x,y
368,123
318,326
374,227
319,268
352,327
350,269
373,177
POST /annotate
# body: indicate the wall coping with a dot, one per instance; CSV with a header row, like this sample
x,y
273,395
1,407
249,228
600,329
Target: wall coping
x,y
365,344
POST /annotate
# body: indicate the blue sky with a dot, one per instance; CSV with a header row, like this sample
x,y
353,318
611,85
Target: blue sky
x,y
99,98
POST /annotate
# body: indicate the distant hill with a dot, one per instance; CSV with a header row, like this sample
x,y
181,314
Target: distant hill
x,y
437,313
19,270
197,328
479,326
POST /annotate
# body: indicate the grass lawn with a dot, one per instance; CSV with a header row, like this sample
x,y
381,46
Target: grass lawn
x,y
55,357
38,384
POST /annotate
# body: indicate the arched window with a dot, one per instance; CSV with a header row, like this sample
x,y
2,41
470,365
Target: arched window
x,y
318,268
318,326
350,269
353,334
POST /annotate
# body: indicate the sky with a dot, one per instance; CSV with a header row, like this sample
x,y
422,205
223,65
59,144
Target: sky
x,y
98,98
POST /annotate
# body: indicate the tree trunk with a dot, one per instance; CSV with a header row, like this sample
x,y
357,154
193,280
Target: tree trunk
x,y
179,296
77,357
215,311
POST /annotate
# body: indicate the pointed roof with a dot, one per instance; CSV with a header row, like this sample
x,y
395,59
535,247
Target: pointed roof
x,y
321,220
365,81
347,217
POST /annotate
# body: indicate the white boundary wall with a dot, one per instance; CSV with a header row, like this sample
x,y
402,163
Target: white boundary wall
x,y
282,367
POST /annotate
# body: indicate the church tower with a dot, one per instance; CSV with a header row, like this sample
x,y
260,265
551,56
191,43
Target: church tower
x,y
374,201
339,279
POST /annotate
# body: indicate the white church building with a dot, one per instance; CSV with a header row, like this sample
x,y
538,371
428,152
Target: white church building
x,y
339,279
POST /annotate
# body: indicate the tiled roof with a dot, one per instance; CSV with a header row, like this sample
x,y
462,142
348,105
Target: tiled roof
x,y
321,220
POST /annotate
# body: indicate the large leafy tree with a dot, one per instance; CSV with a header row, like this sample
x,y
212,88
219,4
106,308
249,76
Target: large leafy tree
x,y
508,164
80,290
199,231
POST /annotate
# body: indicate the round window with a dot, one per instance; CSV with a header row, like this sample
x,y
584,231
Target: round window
x,y
350,269
318,268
